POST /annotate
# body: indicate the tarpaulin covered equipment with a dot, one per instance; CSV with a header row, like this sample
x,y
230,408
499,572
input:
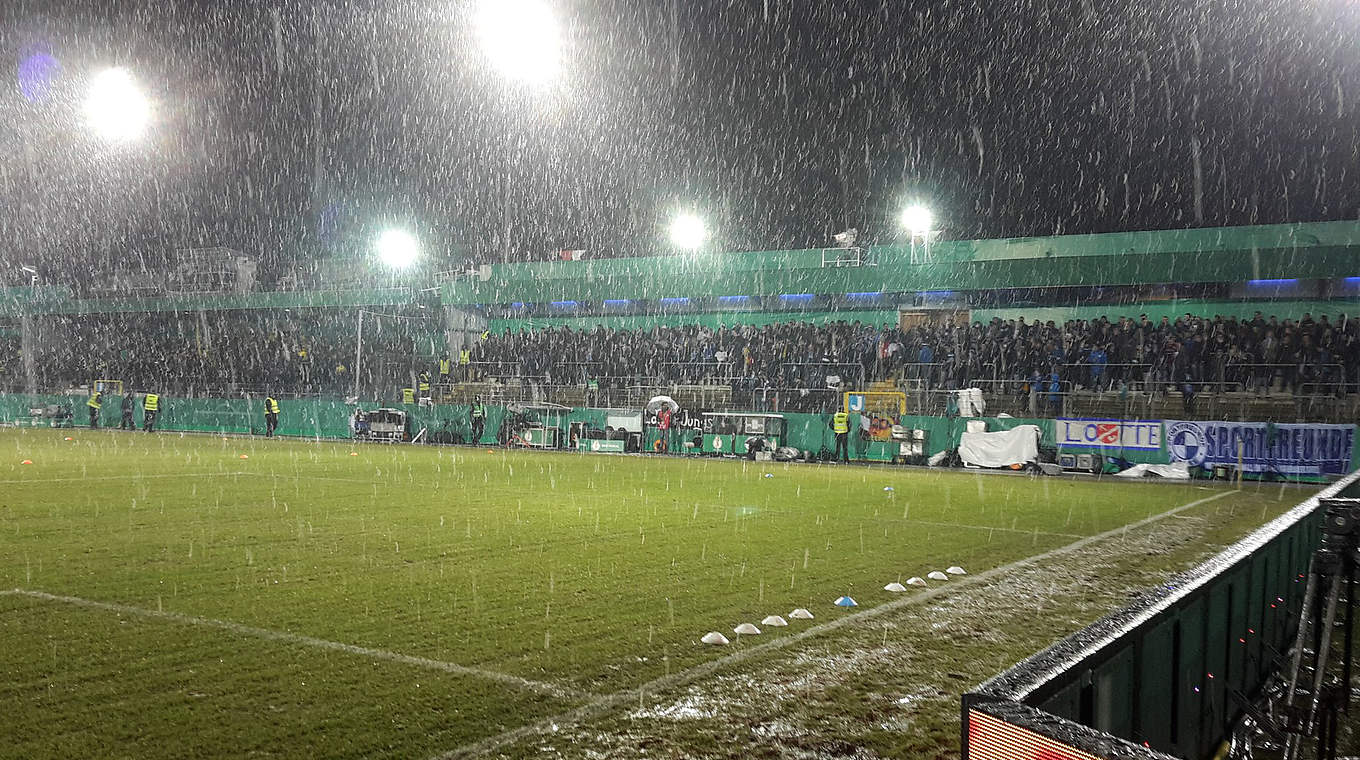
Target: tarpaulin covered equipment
x,y
1019,445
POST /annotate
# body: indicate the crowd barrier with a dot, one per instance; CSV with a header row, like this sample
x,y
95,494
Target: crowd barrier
x,y
1293,451
1168,675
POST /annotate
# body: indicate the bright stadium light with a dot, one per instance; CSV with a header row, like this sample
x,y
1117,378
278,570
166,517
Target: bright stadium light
x,y
688,231
398,249
521,38
918,220
115,108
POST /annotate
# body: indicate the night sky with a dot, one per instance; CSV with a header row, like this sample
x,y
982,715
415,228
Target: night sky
x,y
780,121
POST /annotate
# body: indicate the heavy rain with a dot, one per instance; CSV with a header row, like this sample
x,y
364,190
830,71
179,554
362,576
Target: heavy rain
x,y
680,378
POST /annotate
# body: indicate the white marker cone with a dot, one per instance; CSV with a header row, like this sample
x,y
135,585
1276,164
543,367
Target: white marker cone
x,y
715,638
746,629
774,621
936,575
916,581
955,570
800,614
894,587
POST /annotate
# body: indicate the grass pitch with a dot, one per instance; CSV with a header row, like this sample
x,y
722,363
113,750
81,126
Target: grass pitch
x,y
182,596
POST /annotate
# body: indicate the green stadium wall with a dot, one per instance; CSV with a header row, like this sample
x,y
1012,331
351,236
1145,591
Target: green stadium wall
x,y
1154,309
1173,309
330,419
710,319
1317,250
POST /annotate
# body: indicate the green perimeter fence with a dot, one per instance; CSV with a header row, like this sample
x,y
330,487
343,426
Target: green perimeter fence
x,y
330,419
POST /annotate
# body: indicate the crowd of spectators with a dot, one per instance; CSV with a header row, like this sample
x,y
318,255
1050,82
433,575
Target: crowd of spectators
x,y
301,352
313,352
1260,354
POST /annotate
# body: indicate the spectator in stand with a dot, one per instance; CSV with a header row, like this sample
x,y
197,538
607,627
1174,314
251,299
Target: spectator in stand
x,y
1097,358
227,352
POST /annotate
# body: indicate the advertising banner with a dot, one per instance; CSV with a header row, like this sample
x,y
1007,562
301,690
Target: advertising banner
x,y
1286,449
1136,435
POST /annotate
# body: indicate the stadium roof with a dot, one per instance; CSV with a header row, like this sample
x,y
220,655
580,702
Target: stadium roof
x,y
1234,254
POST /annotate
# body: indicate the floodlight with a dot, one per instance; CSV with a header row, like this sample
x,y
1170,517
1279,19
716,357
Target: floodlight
x,y
521,38
115,108
398,249
918,220
688,231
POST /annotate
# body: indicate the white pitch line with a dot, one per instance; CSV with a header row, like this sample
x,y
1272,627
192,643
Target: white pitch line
x,y
605,703
368,482
965,526
21,481
516,682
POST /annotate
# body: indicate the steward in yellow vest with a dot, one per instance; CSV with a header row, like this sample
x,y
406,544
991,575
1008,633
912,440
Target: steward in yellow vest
x,y
95,401
151,409
465,365
271,416
478,417
840,425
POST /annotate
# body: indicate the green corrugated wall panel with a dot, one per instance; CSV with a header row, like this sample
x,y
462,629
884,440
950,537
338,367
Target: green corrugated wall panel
x,y
1303,235
706,319
1154,309
1173,309
651,280
1114,706
323,418
329,418
1189,677
1156,676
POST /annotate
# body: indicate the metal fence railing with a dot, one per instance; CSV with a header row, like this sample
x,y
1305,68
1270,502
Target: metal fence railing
x,y
1172,673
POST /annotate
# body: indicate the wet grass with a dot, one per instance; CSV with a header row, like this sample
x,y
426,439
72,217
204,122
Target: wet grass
x,y
891,687
588,573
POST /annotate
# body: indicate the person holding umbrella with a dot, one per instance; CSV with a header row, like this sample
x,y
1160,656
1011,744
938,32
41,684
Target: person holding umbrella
x,y
664,407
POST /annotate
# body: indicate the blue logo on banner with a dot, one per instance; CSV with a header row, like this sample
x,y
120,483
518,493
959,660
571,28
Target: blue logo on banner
x,y
1287,449
856,402
1185,440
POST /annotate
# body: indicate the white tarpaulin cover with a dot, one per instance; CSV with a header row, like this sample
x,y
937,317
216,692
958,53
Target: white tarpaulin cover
x,y
970,402
1173,471
1001,449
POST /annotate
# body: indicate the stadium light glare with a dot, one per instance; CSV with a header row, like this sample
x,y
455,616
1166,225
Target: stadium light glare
x,y
521,39
688,231
918,220
398,249
115,107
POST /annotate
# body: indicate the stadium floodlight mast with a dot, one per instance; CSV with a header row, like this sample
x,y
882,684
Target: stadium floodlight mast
x,y
115,107
521,39
688,231
398,249
918,220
